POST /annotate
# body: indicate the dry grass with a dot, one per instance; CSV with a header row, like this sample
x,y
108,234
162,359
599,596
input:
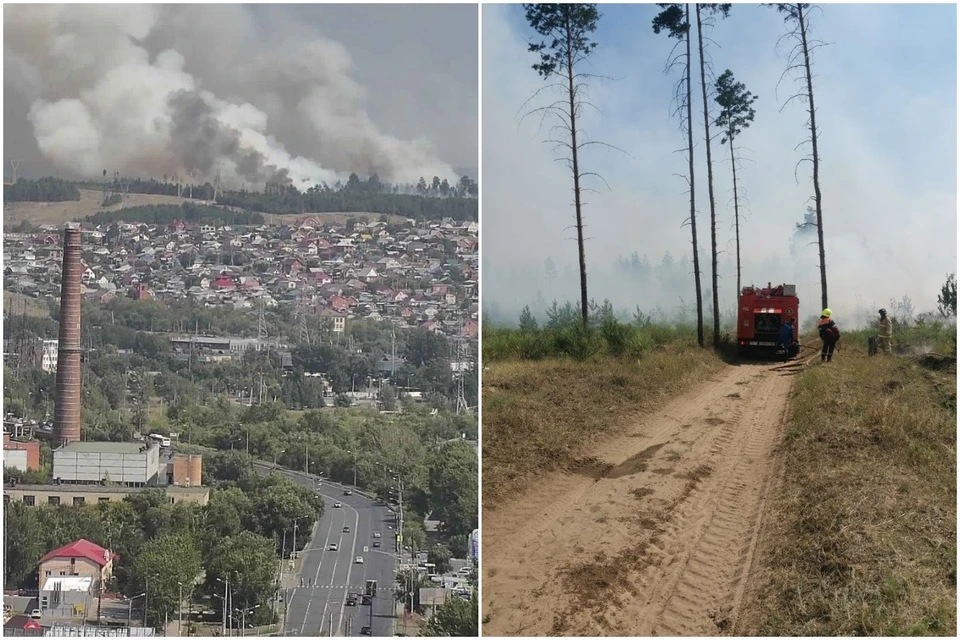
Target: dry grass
x,y
75,210
862,538
539,416
334,217
16,303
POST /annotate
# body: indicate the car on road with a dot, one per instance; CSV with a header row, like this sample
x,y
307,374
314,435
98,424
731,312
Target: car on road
x,y
366,600
351,601
346,529
366,549
359,560
376,544
333,546
337,505
36,613
365,630
376,534
347,492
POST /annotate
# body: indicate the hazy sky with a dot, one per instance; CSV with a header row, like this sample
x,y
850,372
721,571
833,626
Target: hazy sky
x,y
885,91
342,87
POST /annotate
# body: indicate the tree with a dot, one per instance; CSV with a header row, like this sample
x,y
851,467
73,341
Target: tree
x,y
703,9
569,27
460,545
528,324
676,20
799,58
162,564
251,562
947,300
736,114
549,269
388,398
455,618
453,487
439,556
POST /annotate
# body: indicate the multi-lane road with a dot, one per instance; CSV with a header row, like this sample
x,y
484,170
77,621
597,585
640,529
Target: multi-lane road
x,y
319,607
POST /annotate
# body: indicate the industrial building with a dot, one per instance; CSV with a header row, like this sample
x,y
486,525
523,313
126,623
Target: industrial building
x,y
78,495
94,472
129,463
21,454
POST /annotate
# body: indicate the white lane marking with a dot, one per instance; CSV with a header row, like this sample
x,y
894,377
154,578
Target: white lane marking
x,y
333,575
326,543
356,524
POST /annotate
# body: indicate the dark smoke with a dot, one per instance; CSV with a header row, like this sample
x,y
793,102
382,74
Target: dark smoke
x,y
200,140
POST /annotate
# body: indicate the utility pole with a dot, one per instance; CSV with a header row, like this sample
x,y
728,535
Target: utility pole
x,y
180,612
146,601
226,587
294,538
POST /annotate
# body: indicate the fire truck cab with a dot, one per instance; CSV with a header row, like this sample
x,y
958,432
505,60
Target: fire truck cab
x,y
761,312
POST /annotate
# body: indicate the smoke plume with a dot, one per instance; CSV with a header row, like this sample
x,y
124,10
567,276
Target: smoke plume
x,y
192,91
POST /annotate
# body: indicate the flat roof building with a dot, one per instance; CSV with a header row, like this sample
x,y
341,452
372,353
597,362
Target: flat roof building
x,y
129,463
77,495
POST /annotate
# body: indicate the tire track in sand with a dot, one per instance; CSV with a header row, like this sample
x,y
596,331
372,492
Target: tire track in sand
x,y
654,536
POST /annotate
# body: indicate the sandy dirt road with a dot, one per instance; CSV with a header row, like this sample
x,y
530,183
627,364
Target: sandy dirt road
x,y
654,534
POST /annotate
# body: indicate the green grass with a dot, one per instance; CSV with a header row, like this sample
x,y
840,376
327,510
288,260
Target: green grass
x,y
914,339
612,338
862,534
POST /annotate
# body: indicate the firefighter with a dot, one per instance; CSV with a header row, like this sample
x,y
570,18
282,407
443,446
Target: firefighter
x,y
829,333
885,331
786,337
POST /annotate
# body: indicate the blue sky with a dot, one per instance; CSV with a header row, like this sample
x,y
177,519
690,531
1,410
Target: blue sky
x,y
886,105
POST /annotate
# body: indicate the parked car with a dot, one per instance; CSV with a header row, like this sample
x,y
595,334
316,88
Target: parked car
x,y
36,613
365,630
376,534
376,543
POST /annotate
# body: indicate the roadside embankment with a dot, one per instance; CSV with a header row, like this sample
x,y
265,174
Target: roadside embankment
x,y
861,534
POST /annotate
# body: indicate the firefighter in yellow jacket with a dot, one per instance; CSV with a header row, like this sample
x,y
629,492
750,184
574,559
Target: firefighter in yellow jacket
x,y
884,331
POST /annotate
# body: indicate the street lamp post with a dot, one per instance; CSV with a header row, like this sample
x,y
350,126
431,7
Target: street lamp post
x,y
130,607
226,587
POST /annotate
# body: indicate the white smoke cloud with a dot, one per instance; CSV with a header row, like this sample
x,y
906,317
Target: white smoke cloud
x,y
123,87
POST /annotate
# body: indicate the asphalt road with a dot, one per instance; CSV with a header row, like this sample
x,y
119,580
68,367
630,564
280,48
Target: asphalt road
x,y
329,576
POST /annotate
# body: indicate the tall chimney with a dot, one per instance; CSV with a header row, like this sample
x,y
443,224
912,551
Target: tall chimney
x,y
66,423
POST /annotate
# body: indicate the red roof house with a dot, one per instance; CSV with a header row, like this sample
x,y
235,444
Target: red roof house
x,y
79,558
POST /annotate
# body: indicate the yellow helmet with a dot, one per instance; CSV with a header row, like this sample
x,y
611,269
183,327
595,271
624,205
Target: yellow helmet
x,y
827,313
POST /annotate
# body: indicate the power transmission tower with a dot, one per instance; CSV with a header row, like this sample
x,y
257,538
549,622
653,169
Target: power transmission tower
x,y
261,324
462,406
15,165
217,190
302,313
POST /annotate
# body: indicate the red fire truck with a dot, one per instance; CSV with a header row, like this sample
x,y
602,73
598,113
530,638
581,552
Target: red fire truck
x,y
761,312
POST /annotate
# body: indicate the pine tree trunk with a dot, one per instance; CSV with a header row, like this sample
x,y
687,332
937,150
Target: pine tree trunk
x,y
816,155
736,212
576,174
693,198
713,211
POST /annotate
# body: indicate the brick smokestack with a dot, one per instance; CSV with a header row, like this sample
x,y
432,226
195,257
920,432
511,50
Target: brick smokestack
x,y
66,423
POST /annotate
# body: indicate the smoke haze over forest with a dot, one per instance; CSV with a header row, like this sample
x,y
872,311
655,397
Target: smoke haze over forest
x,y
885,90
298,94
